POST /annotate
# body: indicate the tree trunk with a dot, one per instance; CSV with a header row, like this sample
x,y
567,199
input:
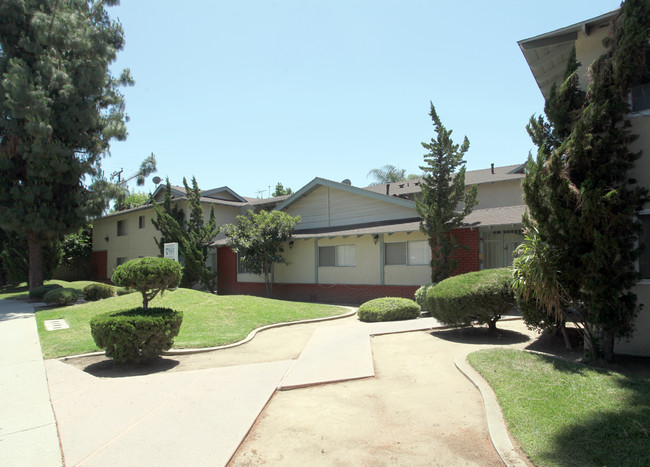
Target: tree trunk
x,y
607,345
35,247
267,281
492,325
565,335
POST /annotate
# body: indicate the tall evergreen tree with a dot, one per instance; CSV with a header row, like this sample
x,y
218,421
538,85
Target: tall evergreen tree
x,y
59,109
169,221
445,202
193,236
579,190
195,242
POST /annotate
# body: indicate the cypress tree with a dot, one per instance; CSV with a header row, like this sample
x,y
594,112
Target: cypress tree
x,y
443,192
579,191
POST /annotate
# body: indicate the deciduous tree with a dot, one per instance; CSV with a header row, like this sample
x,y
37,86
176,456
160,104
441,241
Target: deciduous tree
x,y
259,239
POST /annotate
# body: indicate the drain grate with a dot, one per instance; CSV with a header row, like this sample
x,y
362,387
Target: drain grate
x,y
55,324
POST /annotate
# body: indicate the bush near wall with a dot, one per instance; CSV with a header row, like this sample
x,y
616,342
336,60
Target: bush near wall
x,y
136,335
480,296
61,296
421,296
388,309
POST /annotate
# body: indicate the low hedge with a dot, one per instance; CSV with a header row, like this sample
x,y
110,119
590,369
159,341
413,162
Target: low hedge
x,y
94,292
481,296
388,309
136,335
39,292
124,291
61,296
421,296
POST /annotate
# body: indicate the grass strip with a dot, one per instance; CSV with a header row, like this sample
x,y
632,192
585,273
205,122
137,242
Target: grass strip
x,y
564,413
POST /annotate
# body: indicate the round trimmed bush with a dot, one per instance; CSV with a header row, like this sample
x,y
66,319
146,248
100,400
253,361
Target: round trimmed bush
x,y
61,296
388,309
481,296
421,296
94,292
39,292
136,335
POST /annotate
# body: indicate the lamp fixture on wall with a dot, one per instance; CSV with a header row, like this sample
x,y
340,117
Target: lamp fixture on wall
x,y
106,238
375,238
291,244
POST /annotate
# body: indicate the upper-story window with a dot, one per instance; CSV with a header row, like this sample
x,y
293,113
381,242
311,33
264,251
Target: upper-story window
x,y
141,222
121,228
640,98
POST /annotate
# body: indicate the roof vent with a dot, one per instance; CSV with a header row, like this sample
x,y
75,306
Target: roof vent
x,y
387,188
346,182
492,168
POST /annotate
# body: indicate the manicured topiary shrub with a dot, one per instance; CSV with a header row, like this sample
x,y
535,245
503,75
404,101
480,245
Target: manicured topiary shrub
x,y
388,309
93,292
481,296
136,335
61,296
39,292
421,296
148,276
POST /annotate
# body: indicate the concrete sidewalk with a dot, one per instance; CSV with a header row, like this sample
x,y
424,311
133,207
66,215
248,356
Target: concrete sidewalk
x,y
28,433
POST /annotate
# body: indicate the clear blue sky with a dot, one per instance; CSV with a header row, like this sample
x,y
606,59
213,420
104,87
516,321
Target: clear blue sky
x,y
250,93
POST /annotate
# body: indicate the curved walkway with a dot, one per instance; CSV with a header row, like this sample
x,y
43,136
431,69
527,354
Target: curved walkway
x,y
199,408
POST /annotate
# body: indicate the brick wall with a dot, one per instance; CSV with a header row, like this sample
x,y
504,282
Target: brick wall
x,y
467,257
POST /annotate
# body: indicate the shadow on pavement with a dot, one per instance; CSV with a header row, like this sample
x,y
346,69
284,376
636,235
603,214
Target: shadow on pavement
x,y
481,336
107,368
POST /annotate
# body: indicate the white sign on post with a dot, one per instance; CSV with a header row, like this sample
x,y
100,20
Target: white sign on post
x,y
171,251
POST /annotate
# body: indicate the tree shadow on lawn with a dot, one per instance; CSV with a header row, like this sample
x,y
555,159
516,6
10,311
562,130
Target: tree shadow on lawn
x,y
481,335
107,368
619,438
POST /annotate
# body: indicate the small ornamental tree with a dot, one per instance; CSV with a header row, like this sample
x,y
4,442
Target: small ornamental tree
x,y
148,276
258,238
443,194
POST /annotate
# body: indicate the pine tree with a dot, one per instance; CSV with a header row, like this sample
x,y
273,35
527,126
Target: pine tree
x,y
169,221
59,109
443,192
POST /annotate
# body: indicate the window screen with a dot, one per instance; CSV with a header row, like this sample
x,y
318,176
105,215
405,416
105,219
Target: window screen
x,y
394,253
121,228
419,253
341,255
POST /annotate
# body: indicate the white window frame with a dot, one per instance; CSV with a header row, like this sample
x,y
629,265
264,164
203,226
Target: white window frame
x,y
338,253
407,258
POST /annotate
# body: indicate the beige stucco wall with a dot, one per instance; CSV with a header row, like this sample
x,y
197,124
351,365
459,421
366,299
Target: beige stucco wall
x,y
406,275
140,242
500,194
639,344
301,258
366,268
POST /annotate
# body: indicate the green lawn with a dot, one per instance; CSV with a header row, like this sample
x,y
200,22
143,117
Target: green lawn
x,y
564,413
208,320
